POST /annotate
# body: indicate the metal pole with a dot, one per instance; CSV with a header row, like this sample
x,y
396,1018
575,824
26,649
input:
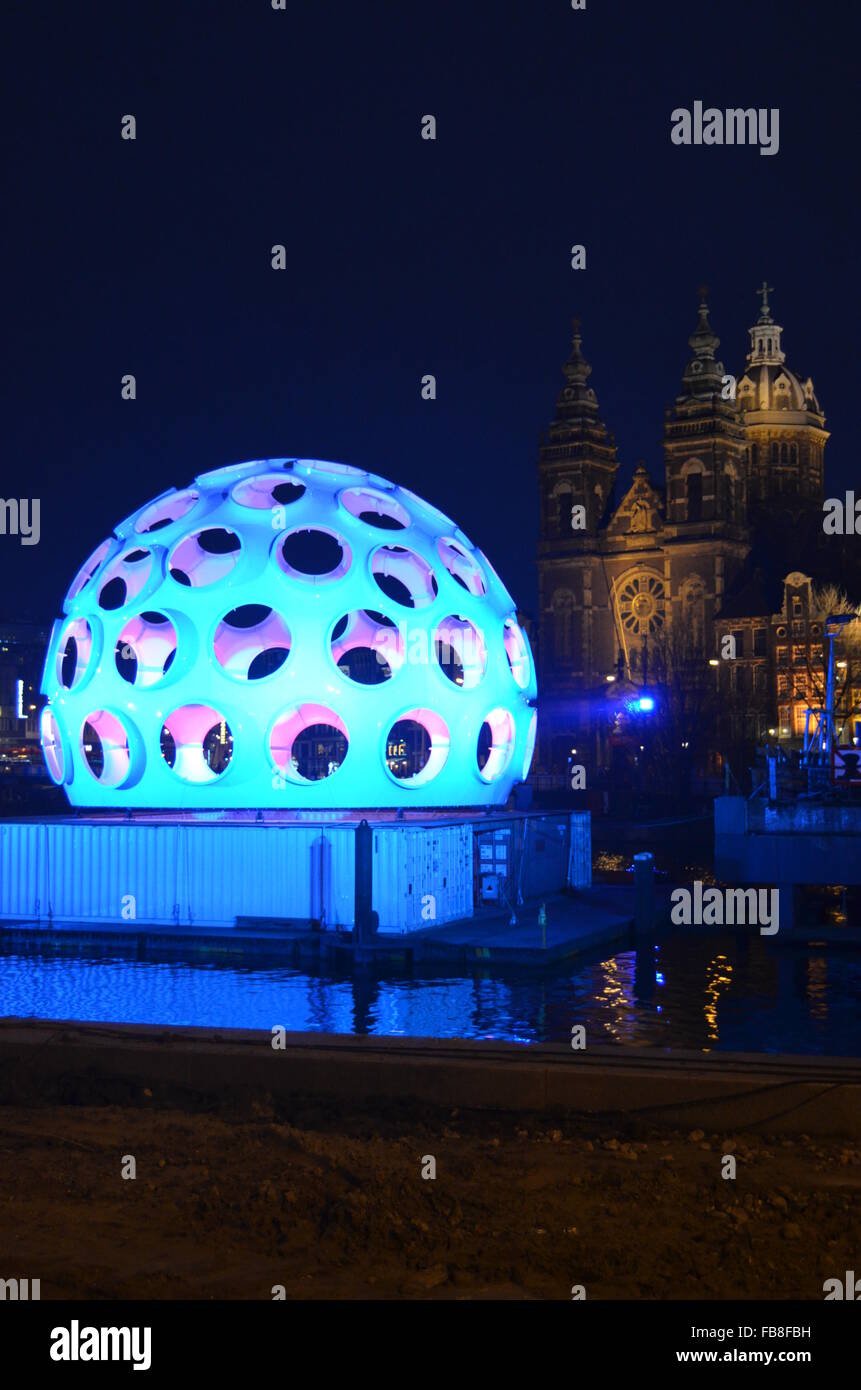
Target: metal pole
x,y
644,893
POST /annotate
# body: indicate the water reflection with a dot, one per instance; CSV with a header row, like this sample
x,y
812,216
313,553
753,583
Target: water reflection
x,y
701,992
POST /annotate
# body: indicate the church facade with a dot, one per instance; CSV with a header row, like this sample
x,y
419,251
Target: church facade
x,y
616,577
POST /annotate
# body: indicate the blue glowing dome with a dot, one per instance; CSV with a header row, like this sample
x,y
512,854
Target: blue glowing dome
x,y
288,633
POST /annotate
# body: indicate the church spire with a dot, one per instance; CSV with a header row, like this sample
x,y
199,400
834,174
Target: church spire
x,y
703,374
576,398
765,349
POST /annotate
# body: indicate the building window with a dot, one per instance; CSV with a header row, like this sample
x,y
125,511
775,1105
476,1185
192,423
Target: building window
x,y
564,504
760,680
694,493
782,655
738,638
797,609
563,626
641,604
760,641
730,496
782,685
799,656
775,453
694,612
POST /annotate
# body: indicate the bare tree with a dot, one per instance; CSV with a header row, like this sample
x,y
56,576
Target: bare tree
x,y
686,723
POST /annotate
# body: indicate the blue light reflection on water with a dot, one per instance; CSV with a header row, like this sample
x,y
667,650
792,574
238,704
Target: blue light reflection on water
x,y
721,993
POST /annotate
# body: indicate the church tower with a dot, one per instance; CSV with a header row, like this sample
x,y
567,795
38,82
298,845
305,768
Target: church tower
x,y
576,470
704,440
577,460
784,424
706,529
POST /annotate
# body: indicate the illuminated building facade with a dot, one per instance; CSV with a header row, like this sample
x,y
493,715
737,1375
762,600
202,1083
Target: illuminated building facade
x,y
624,582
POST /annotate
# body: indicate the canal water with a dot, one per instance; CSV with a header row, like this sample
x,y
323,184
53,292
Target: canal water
x,y
722,992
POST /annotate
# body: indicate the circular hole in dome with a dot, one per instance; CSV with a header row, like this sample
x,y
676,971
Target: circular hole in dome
x,y
530,746
74,652
314,553
517,651
367,647
462,566
267,490
88,569
167,510
197,743
105,748
251,642
404,576
52,745
124,579
204,557
460,651
375,508
145,649
417,747
495,744
308,743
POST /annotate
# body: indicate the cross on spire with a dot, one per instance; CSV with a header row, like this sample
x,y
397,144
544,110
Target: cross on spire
x,y
765,290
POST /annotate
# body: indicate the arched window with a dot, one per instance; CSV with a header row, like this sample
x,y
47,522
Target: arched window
x,y
694,615
753,456
775,453
784,454
694,496
563,626
793,454
564,504
731,495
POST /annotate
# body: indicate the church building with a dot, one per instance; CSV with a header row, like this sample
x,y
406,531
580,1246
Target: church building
x,y
693,555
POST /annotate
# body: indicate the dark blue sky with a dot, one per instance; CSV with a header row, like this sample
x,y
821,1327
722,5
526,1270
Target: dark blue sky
x,y
404,256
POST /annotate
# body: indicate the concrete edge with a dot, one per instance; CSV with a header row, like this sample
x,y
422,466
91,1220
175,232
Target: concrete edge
x,y
718,1092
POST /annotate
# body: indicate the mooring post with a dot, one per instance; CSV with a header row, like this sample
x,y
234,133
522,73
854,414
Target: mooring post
x,y
644,893
364,916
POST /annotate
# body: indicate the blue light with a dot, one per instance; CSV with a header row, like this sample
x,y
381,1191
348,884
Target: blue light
x,y
288,633
645,703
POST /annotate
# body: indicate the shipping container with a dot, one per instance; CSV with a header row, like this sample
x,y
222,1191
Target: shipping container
x,y
199,872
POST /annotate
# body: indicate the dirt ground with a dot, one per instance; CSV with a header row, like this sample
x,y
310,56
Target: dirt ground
x,y
331,1203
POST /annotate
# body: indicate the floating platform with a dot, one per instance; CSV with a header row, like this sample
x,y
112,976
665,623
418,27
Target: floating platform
x,y
576,922
193,872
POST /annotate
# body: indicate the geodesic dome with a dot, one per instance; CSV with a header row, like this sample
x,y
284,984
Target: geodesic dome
x,y
288,633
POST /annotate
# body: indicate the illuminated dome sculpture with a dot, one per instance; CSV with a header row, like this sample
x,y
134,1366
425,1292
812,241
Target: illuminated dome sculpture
x,y
288,633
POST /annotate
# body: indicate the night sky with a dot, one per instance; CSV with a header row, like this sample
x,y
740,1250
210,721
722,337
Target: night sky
x,y
404,256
